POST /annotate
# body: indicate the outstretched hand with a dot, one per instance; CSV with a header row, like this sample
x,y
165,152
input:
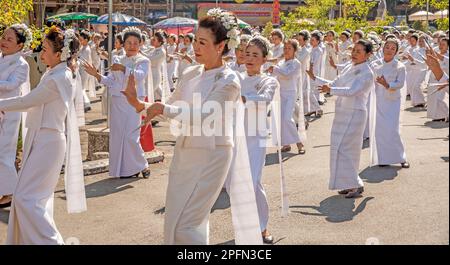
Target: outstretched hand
x,y
89,68
325,89
154,110
131,94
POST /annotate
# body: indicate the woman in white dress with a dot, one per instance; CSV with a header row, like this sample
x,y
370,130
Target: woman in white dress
x,y
316,65
14,81
185,52
85,55
257,92
118,46
390,81
157,58
437,106
352,86
238,64
288,74
51,116
172,64
416,71
126,156
201,162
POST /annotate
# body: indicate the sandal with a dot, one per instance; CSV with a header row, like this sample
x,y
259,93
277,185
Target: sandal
x,y
355,193
146,173
405,165
286,148
301,149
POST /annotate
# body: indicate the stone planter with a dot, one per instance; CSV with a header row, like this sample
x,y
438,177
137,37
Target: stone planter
x,y
98,141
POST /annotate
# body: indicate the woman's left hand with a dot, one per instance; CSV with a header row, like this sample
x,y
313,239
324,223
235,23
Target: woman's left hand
x,y
118,67
154,110
325,89
382,81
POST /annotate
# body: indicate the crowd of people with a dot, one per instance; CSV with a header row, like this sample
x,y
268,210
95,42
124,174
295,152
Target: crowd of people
x,y
229,93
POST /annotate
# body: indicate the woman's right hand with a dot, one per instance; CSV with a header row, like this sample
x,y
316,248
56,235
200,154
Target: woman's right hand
x,y
89,68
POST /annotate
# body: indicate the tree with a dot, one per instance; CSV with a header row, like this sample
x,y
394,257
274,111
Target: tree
x,y
313,15
267,29
436,4
442,23
14,11
357,9
317,11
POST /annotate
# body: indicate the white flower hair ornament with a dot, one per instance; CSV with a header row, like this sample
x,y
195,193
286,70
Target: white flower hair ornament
x,y
69,35
229,21
27,32
131,29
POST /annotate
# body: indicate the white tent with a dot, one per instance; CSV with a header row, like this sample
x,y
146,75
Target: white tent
x,y
421,16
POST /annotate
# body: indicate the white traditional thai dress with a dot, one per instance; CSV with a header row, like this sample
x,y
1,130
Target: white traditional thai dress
x,y
288,74
126,156
14,81
415,75
317,60
258,91
52,139
172,65
352,86
389,145
161,88
201,163
85,54
330,72
437,102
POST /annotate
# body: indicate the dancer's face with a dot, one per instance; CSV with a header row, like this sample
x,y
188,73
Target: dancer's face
x,y
254,59
154,42
389,51
301,40
289,51
48,55
117,45
443,46
240,53
131,46
9,43
206,51
359,54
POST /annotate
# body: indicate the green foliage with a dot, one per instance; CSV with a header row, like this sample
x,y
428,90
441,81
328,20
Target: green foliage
x,y
314,15
267,29
357,9
437,4
419,25
14,11
442,23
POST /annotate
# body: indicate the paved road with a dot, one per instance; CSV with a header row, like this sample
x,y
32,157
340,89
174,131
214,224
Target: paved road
x,y
400,206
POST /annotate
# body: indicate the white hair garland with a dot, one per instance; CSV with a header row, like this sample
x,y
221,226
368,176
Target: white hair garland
x,y
229,21
27,32
69,35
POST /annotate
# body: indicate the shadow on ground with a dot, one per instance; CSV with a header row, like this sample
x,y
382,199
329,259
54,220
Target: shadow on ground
x,y
436,124
335,209
378,174
105,187
272,158
4,216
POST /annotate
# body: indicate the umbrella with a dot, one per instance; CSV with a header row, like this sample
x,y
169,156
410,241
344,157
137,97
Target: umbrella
x,y
119,19
441,14
421,16
72,16
242,24
176,22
